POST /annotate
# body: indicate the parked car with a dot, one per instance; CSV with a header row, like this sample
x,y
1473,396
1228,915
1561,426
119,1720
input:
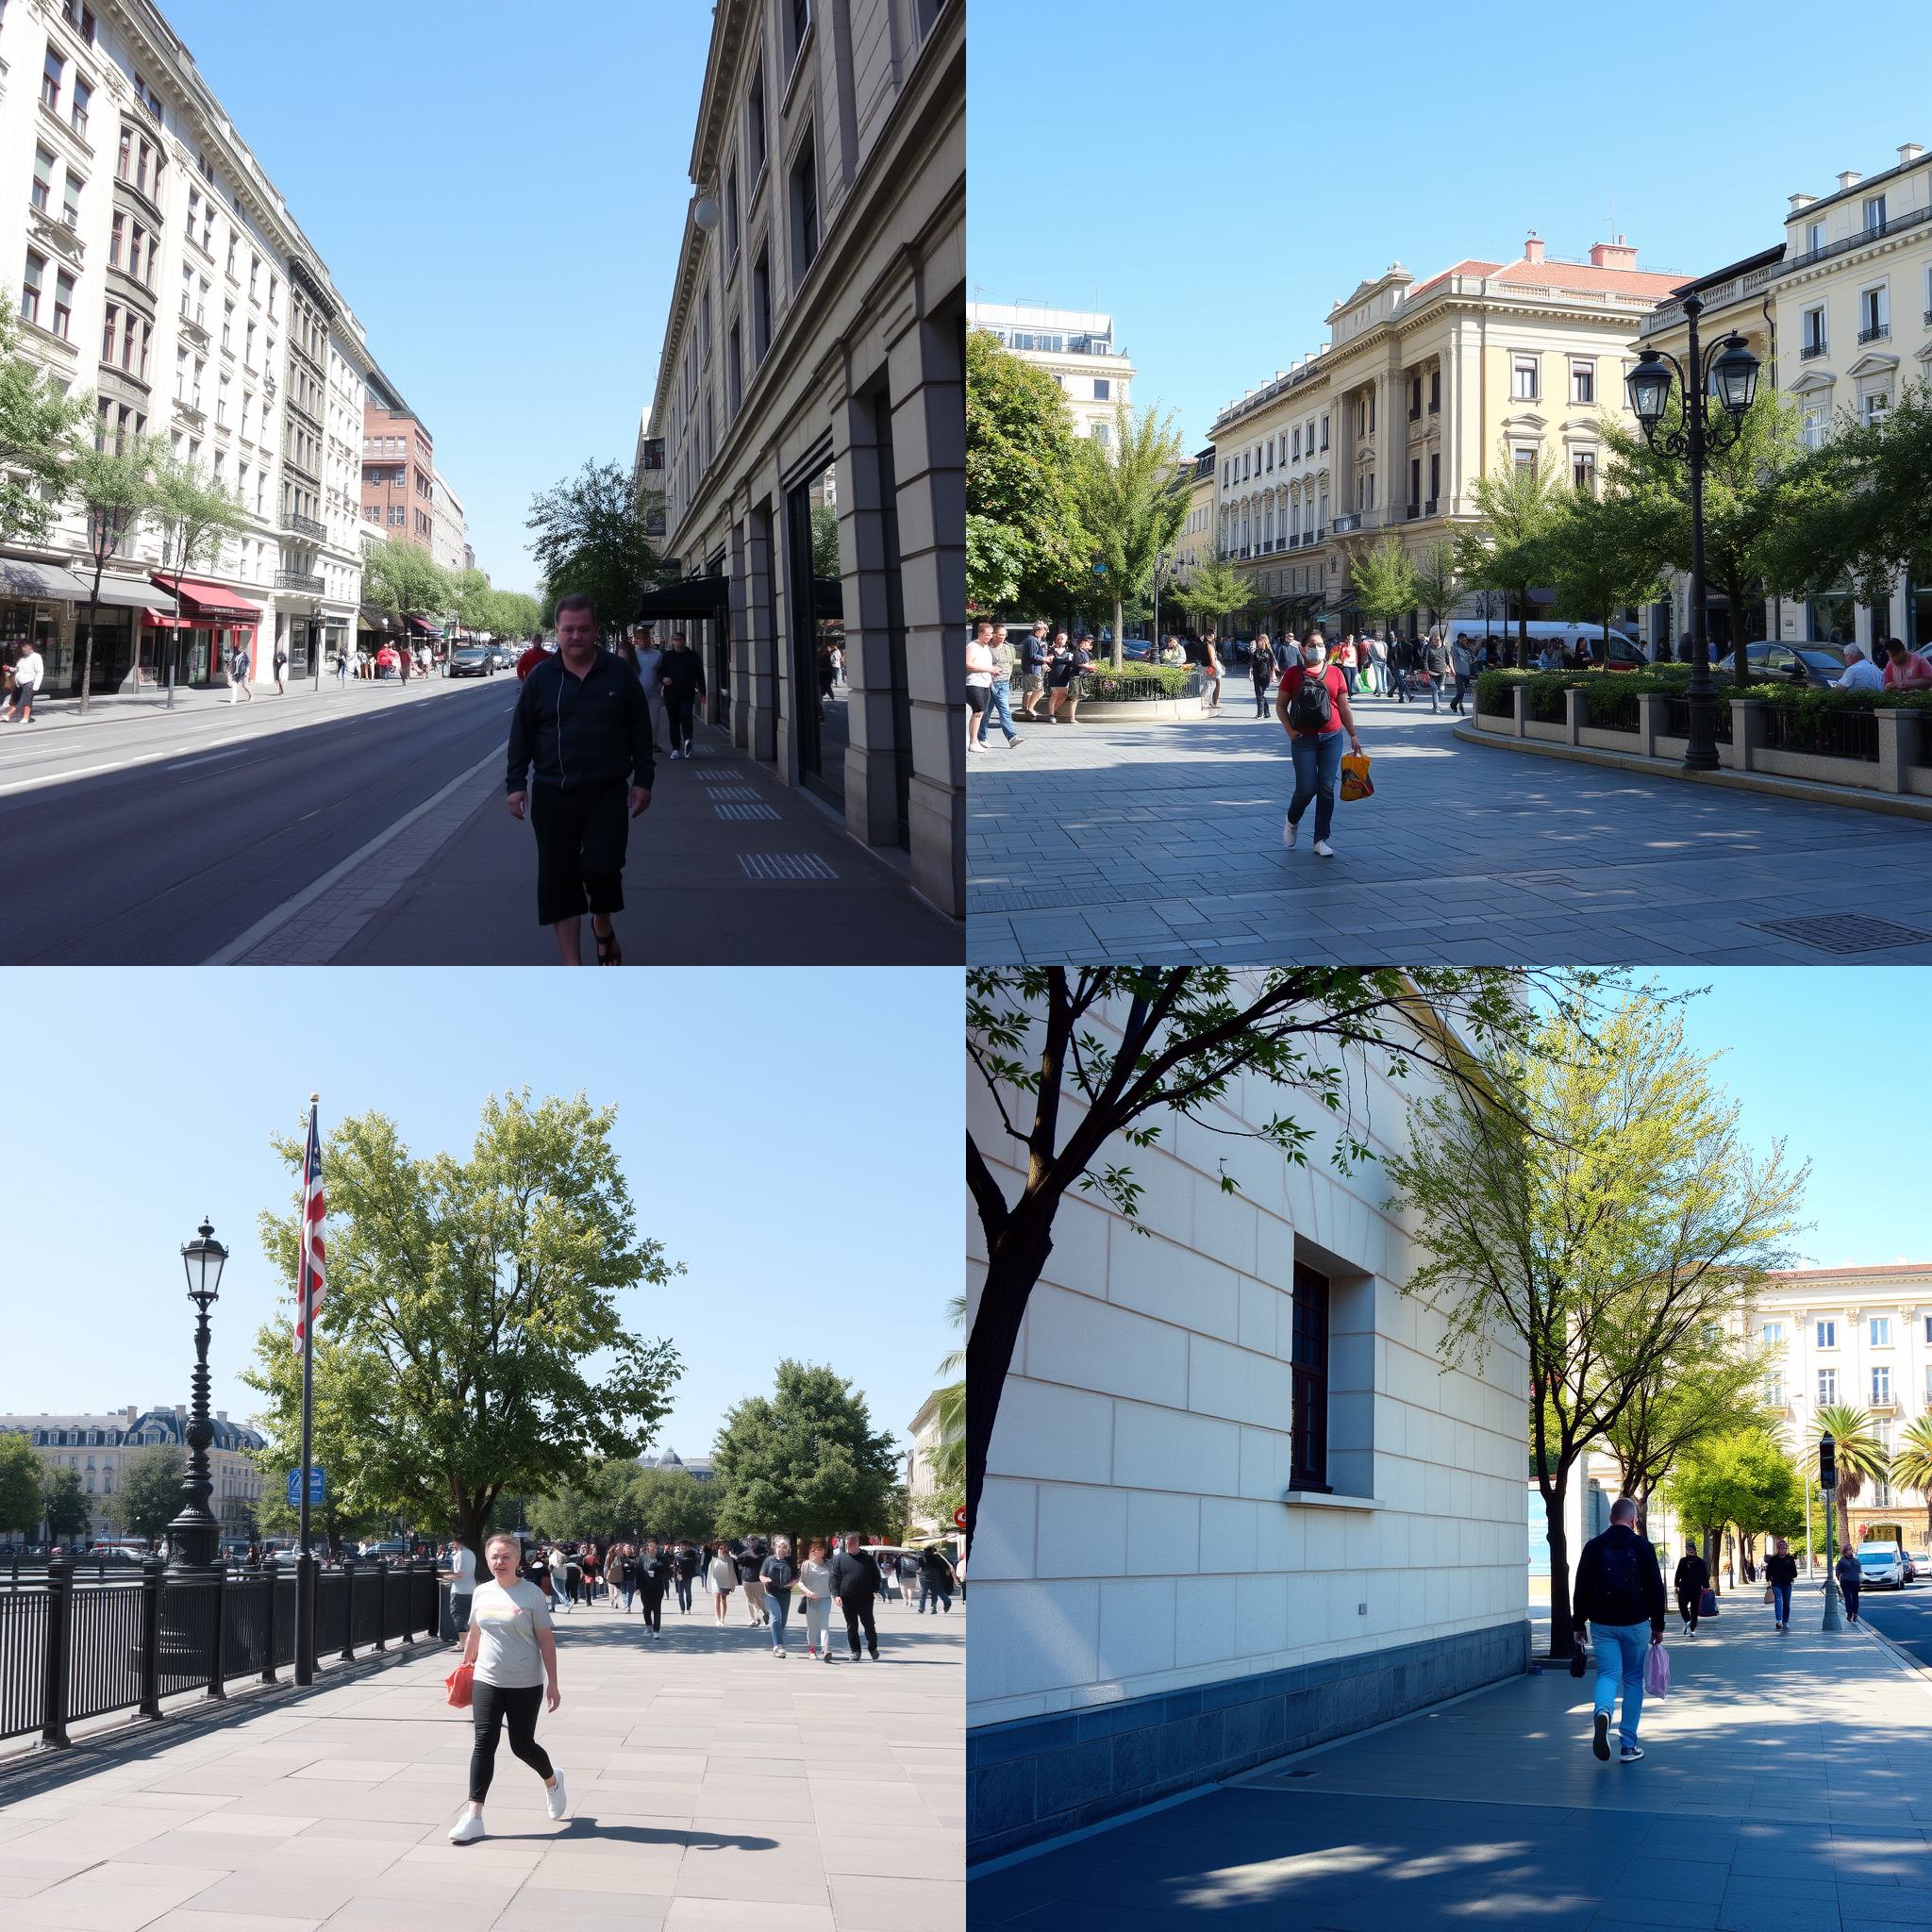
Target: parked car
x,y
1812,664
1882,1566
505,659
472,661
393,1548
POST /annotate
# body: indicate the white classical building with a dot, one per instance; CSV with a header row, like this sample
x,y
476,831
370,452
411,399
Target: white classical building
x,y
1075,346
1235,1504
451,535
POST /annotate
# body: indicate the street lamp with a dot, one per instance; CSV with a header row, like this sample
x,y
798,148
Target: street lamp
x,y
1733,373
193,1536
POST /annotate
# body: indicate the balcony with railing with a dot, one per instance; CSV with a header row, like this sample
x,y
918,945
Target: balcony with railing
x,y
299,580
194,324
1809,351
1428,506
1878,332
304,526
1876,231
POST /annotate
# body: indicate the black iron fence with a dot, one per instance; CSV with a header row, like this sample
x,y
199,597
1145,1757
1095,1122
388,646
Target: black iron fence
x,y
1833,734
76,1645
1677,719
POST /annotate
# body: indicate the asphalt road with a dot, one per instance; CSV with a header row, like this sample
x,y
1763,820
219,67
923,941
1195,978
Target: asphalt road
x,y
1902,1615
155,840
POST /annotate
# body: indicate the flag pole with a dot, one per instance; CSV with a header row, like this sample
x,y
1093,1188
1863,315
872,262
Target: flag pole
x,y
305,1568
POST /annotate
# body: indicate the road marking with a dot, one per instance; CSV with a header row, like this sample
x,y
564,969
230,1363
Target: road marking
x,y
309,893
206,757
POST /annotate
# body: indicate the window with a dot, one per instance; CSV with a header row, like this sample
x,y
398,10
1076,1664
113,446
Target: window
x,y
1435,477
731,233
1880,1331
1828,1335
762,305
80,18
1827,1386
1874,214
107,329
1583,473
83,93
1812,333
1415,398
1873,322
1881,1382
1101,386
41,193
1309,1369
755,121
1325,432
1873,407
1101,436
1435,391
704,328
734,370
1297,445
30,286
1583,382
1522,379
70,202
1774,1391
51,77
1773,1332
1415,484
1368,426
805,208
801,24
1812,432
1814,237
1524,460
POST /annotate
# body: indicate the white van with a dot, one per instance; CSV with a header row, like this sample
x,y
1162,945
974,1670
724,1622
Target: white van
x,y
1626,654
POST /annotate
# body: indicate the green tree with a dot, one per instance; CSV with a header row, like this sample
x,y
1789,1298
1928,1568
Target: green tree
x,y
805,1461
1212,591
1133,499
1742,1480
39,426
150,1497
1911,1462
333,1526
1605,552
403,582
1384,580
1024,543
1517,504
69,1513
470,600
597,1503
194,517
824,541
115,488
467,1299
20,1480
672,1502
1861,1456
1438,579
588,536
1593,1196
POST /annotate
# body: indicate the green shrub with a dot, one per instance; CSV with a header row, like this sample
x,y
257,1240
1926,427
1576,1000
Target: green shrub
x,y
1132,681
1602,691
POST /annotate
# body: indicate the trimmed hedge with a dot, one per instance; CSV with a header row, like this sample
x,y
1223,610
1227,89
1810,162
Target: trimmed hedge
x,y
1136,681
1543,694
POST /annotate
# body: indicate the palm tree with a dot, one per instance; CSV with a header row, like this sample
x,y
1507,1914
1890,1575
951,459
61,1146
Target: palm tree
x,y
1911,1462
1860,1455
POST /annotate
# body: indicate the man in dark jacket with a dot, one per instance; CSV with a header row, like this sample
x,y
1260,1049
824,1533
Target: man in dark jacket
x,y
854,1585
582,722
1692,1578
1618,1591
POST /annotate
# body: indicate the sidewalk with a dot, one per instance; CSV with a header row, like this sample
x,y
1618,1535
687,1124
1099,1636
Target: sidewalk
x,y
114,707
1787,1788
710,1785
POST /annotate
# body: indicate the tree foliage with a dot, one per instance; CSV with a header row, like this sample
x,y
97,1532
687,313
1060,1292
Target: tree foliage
x,y
1438,578
1911,1462
467,1298
1742,1479
406,581
113,488
1384,580
150,1495
1212,591
69,1510
804,1461
588,535
1605,552
1518,506
22,1492
1861,1455
1132,499
39,426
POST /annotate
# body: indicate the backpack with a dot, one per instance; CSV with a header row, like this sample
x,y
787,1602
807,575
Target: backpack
x,y
1312,708
1621,1591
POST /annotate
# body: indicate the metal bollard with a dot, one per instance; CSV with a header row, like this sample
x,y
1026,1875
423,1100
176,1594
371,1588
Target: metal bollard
x,y
267,1586
60,1647
153,1570
348,1656
217,1676
381,1600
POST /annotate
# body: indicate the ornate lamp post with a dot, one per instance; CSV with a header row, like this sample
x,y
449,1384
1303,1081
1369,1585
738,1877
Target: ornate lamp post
x,y
1733,373
194,1536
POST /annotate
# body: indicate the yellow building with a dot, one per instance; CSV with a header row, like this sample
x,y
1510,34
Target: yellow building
x,y
1422,389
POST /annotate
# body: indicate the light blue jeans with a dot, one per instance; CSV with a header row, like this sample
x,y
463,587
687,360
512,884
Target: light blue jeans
x,y
998,710
1621,1649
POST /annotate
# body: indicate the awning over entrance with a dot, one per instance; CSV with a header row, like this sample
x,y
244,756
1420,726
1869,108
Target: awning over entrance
x,y
122,592
424,626
370,618
211,603
20,579
695,597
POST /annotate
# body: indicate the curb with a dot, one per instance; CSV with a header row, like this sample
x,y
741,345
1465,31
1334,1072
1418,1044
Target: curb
x,y
1898,804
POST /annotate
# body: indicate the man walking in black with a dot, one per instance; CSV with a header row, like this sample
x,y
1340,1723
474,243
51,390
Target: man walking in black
x,y
854,1585
583,724
1692,1577
1620,1595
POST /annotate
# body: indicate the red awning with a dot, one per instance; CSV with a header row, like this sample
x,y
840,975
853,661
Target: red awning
x,y
424,626
209,603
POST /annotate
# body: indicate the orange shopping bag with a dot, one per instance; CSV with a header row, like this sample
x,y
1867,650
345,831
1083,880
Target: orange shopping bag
x,y
1356,782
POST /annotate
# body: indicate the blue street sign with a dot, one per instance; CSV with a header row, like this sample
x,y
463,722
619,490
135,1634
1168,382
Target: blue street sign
x,y
315,1486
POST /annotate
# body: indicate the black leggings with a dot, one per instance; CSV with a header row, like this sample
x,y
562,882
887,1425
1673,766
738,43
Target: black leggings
x,y
680,703
581,836
858,1615
490,1704
1688,1600
654,1604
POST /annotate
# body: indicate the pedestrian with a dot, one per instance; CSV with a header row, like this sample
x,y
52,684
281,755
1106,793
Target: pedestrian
x,y
1692,1577
462,1586
620,1574
650,665
536,1567
1780,1573
653,1572
1618,1591
581,723
1378,667
342,668
1312,704
1435,669
980,670
855,1579
683,1567
779,1574
238,673
815,1586
28,670
1851,1579
1030,680
1261,669
749,1558
907,1565
1080,662
1906,669
1211,677
282,669
999,706
1462,667
513,1647
557,1561
574,1574
1348,662
593,1574
681,677
935,1579
723,1575
1401,665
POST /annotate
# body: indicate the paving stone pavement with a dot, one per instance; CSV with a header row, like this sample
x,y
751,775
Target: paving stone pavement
x,y
1787,1787
710,1784
1162,842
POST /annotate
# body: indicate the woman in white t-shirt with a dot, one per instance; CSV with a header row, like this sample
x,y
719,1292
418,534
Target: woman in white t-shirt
x,y
514,1649
815,1586
724,1577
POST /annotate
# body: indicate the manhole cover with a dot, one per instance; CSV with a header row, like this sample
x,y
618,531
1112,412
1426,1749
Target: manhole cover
x,y
1845,932
744,811
785,865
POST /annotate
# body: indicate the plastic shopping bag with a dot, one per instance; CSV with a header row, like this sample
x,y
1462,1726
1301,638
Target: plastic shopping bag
x,y
1657,1672
1356,782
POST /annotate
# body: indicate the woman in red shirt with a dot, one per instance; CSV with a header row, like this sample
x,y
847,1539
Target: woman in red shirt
x,y
1316,726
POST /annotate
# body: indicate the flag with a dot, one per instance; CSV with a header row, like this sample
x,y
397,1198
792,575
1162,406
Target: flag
x,y
310,1282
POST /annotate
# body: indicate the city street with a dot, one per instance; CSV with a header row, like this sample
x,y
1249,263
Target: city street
x,y
710,1785
1787,1787
1905,1616
368,824
1162,842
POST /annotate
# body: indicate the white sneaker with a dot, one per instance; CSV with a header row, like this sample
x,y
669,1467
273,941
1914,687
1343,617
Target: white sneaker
x,y
1323,850
673,757
1289,829
467,1829
552,1798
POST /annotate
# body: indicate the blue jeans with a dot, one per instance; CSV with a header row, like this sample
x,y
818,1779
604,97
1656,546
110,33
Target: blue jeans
x,y
779,1601
1001,704
1781,1603
1317,767
1621,1649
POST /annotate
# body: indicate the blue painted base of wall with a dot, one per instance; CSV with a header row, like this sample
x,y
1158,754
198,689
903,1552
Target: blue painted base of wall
x,y
1038,1777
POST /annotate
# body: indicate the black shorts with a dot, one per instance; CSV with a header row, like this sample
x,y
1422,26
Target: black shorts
x,y
977,697
581,836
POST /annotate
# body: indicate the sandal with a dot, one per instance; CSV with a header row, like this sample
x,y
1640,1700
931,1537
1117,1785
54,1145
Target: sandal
x,y
609,952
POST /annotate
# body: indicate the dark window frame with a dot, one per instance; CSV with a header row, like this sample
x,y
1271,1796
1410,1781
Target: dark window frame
x,y
1309,1372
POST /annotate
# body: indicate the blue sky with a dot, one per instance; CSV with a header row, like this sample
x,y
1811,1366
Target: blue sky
x,y
498,194
1217,178
791,1136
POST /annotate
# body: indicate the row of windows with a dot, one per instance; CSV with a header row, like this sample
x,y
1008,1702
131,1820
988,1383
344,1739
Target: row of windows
x,y
1256,461
1872,222
1881,1386
1874,318
1877,1331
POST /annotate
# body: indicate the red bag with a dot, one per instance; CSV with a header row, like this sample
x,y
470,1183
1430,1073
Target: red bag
x,y
457,1684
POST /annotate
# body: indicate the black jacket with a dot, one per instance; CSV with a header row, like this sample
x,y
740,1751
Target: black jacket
x,y
683,670
854,1578
1692,1574
652,1568
580,732
1618,1581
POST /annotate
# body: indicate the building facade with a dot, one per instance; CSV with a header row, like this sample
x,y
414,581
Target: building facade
x,y
1075,347
398,472
1200,538
151,260
99,1447
449,541
921,1474
1234,1504
1423,388
810,396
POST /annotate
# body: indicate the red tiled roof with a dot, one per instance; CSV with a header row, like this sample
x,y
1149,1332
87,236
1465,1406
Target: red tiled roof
x,y
1557,275
1828,1274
